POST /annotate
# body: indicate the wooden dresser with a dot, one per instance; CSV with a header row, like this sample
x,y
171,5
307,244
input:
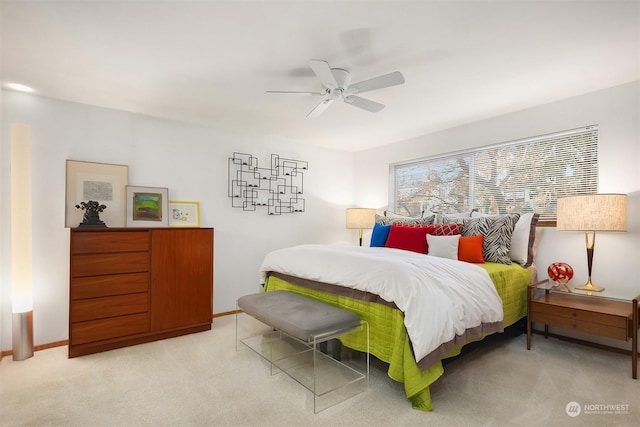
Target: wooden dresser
x,y
134,285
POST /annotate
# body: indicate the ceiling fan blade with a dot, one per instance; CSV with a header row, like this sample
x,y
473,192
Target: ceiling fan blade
x,y
320,108
295,92
391,79
363,103
323,71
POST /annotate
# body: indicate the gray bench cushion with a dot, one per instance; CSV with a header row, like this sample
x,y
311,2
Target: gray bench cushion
x,y
298,316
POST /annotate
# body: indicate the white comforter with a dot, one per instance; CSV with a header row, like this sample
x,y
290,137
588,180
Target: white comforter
x,y
440,297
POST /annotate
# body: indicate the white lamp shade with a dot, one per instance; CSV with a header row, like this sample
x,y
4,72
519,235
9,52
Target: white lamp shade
x,y
360,218
592,212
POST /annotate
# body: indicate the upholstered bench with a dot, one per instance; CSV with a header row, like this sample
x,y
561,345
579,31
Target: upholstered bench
x,y
297,325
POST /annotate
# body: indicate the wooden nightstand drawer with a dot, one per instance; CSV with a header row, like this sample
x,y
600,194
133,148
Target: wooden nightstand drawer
x,y
605,319
99,308
574,323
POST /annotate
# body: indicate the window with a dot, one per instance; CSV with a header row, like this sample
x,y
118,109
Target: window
x,y
520,176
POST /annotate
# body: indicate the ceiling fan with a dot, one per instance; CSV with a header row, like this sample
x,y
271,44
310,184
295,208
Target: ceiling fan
x,y
337,85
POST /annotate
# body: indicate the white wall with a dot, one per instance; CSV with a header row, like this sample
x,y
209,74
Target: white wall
x,y
191,161
615,110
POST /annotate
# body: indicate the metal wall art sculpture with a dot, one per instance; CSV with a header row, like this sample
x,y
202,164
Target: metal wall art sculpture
x,y
278,188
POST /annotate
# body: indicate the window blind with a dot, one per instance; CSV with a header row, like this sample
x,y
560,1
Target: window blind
x,y
526,175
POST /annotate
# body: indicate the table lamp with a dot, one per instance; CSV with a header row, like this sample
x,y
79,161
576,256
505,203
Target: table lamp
x,y
591,213
360,218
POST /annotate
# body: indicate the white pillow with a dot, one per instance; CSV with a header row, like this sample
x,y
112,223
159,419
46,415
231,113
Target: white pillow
x,y
522,239
443,246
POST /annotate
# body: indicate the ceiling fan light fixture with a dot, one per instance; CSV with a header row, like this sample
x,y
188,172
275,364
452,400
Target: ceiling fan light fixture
x,y
337,84
342,77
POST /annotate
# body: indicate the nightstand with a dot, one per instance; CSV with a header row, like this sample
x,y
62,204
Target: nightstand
x,y
604,313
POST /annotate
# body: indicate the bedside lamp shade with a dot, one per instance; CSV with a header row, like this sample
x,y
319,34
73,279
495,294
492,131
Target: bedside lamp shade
x,y
591,213
360,218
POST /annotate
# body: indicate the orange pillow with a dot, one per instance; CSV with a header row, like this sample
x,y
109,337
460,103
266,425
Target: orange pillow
x,y
470,249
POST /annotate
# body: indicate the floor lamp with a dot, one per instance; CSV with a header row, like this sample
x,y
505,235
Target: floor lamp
x,y
360,218
21,243
591,213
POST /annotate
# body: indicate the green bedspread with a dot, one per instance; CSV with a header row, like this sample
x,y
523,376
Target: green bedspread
x,y
389,341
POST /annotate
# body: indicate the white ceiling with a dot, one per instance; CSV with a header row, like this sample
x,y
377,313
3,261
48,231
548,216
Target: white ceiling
x,y
210,62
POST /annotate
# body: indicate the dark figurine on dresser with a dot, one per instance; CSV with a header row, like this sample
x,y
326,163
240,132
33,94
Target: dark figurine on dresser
x,y
91,216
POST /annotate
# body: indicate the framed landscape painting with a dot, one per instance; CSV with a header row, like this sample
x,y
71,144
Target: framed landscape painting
x,y
101,182
183,213
147,206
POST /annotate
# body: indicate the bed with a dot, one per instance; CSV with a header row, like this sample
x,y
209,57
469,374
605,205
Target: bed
x,y
344,276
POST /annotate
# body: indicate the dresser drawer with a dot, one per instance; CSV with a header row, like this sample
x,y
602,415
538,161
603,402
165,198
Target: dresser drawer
x,y
112,327
99,308
114,263
103,286
112,241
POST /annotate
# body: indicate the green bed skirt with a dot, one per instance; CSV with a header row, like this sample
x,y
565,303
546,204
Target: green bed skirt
x,y
389,341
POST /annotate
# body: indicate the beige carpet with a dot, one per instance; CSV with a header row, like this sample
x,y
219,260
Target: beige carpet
x,y
200,380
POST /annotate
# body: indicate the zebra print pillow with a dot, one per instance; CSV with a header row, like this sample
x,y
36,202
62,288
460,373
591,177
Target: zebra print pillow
x,y
497,231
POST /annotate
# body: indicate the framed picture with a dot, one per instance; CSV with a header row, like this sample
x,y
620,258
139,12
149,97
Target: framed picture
x,y
183,213
100,182
147,206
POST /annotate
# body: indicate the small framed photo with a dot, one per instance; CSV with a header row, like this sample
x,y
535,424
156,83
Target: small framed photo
x,y
184,213
101,182
147,206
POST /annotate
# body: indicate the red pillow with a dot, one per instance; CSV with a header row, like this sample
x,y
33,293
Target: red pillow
x,y
470,249
408,238
412,238
446,229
